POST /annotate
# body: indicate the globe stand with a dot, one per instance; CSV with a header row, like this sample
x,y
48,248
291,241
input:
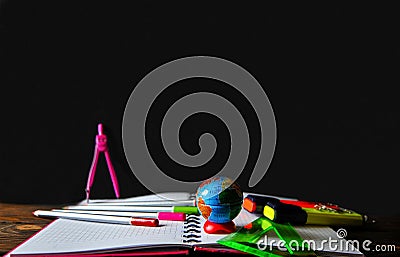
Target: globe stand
x,y
219,228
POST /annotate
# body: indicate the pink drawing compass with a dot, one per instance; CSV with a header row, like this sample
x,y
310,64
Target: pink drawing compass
x,y
101,146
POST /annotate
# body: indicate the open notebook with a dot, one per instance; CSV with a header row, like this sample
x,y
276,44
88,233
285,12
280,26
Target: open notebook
x,y
69,236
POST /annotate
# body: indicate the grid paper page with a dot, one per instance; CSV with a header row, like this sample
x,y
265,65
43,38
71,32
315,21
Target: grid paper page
x,y
317,234
64,236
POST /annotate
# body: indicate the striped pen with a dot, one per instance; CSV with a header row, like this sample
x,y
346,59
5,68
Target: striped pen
x,y
172,216
99,207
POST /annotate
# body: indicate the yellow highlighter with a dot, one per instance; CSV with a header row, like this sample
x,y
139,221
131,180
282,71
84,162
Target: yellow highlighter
x,y
295,215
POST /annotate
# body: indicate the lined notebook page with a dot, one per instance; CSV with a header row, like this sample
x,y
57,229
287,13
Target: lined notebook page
x,y
177,196
64,236
314,233
320,233
319,236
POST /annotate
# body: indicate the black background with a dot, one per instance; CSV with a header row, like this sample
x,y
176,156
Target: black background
x,y
331,73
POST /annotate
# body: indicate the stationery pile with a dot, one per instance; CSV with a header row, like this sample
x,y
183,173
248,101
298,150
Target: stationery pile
x,y
279,215
155,226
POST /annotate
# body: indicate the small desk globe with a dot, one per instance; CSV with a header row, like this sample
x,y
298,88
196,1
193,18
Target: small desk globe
x,y
219,200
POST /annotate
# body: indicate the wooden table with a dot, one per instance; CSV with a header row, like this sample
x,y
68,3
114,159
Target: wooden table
x,y
17,224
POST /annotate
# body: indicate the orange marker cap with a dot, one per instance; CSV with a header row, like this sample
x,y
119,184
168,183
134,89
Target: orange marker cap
x,y
249,205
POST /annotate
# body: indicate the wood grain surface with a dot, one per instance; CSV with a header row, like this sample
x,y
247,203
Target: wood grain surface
x,y
17,224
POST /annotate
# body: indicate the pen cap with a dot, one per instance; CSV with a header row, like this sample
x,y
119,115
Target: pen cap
x,y
255,203
282,213
175,216
186,209
147,222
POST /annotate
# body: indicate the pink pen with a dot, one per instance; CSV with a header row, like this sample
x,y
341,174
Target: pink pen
x,y
101,146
